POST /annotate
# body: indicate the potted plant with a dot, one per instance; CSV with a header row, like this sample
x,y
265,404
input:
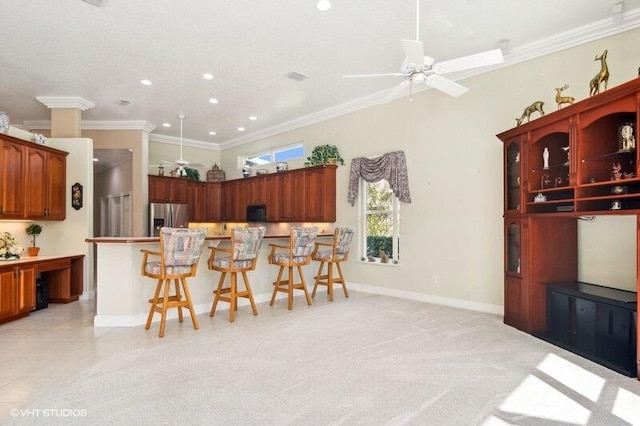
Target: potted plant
x,y
324,154
33,230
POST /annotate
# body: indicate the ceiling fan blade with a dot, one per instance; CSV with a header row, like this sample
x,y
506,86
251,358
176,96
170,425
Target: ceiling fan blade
x,y
445,85
395,92
481,59
390,74
413,51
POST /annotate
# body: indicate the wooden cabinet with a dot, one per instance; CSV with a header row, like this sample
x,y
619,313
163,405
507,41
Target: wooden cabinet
x,y
45,184
320,194
35,170
292,196
26,289
196,194
272,196
8,294
304,195
17,291
229,200
213,193
165,189
12,172
559,167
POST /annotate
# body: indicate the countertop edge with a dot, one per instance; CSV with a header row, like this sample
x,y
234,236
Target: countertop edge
x,y
143,240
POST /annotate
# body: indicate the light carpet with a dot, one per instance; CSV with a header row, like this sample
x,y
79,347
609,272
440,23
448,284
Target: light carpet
x,y
366,360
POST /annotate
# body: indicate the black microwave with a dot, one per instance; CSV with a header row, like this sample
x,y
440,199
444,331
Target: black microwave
x,y
257,213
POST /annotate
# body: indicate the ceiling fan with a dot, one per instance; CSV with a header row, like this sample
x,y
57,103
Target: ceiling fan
x,y
418,68
180,163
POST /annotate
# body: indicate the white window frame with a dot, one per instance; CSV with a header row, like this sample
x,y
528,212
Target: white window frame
x,y
271,152
394,257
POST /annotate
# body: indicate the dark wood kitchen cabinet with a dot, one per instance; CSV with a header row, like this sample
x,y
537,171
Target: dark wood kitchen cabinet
x,y
36,170
166,189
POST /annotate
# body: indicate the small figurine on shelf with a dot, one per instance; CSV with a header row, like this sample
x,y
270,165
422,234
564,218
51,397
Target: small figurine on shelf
x,y
536,106
616,171
545,158
566,149
160,170
383,257
563,99
601,77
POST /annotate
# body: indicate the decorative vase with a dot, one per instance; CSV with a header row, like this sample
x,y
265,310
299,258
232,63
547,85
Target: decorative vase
x,y
4,122
332,161
33,251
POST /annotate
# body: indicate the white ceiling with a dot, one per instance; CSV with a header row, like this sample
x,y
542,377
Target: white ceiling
x,y
72,48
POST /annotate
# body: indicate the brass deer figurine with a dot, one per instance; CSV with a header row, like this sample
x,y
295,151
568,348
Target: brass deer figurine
x,y
563,99
536,106
601,77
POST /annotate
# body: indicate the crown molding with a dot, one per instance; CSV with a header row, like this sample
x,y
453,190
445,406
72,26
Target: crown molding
x,y
95,125
185,142
65,102
119,125
595,31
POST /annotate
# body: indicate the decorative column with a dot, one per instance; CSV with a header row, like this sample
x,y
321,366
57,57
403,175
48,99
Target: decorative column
x,y
66,114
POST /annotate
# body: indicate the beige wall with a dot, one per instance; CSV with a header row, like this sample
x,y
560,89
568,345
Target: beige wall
x,y
452,232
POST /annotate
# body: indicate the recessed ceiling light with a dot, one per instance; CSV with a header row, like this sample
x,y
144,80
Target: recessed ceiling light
x,y
253,118
166,124
213,100
207,76
323,5
212,133
146,82
241,129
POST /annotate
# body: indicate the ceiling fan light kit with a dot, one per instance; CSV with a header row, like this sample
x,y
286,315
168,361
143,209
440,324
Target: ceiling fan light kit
x,y
181,163
420,69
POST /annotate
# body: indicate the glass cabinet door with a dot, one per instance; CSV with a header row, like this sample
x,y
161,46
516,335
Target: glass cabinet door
x,y
512,176
513,247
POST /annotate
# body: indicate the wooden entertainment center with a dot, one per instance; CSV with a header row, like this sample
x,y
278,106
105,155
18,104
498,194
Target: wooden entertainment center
x,y
571,163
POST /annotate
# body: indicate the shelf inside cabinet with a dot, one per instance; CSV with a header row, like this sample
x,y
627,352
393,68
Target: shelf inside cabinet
x,y
608,155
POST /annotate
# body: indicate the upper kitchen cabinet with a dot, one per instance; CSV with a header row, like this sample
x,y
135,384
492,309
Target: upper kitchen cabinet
x,y
36,170
165,189
12,167
45,184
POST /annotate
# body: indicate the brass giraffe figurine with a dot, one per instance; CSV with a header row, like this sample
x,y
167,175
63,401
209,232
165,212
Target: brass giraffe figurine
x,y
601,77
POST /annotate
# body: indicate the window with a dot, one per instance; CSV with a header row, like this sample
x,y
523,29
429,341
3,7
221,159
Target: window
x,y
281,153
381,217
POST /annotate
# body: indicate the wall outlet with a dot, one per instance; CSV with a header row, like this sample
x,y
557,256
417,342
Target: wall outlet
x,y
434,278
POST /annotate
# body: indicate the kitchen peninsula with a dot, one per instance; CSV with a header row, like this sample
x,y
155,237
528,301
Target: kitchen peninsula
x,y
122,293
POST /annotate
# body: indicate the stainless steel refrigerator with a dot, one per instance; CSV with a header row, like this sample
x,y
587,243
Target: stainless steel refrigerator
x,y
172,215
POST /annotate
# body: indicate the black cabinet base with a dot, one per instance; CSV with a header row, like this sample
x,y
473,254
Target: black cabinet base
x,y
628,369
595,322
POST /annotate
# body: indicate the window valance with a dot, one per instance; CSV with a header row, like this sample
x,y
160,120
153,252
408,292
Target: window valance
x,y
391,166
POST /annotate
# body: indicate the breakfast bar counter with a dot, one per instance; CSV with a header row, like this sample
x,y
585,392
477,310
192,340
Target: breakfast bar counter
x,y
122,293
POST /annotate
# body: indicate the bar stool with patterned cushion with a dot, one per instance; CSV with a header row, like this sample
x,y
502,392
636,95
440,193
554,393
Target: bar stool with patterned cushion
x,y
337,253
296,255
240,257
180,250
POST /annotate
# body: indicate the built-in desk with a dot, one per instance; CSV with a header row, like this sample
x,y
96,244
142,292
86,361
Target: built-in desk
x,y
64,276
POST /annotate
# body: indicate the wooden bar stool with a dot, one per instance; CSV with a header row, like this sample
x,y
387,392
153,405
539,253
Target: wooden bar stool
x,y
296,255
337,253
180,250
240,257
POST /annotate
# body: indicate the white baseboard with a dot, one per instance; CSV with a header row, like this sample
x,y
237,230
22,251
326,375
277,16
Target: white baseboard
x,y
140,319
420,297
